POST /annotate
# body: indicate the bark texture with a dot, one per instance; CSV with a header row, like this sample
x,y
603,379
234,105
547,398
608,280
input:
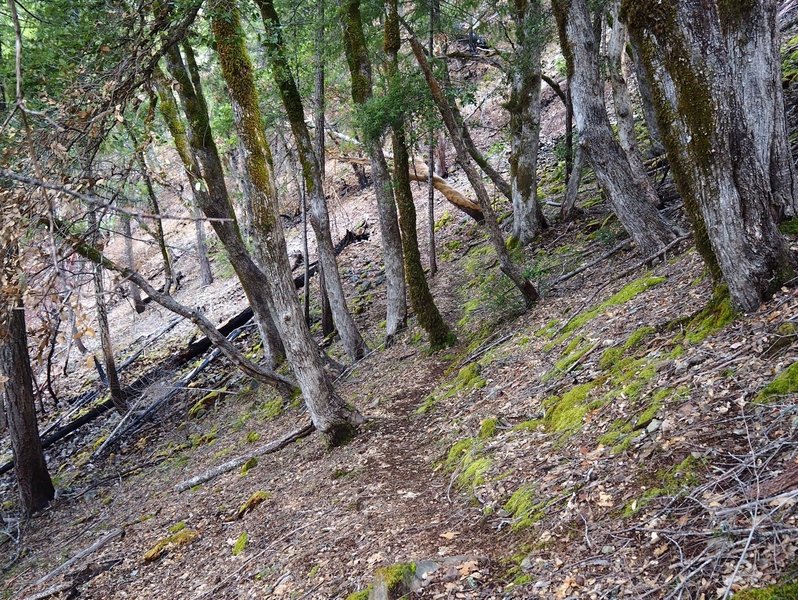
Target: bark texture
x,y
712,67
360,71
632,198
330,414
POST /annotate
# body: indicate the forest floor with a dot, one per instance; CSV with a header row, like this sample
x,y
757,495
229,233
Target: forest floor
x,y
622,439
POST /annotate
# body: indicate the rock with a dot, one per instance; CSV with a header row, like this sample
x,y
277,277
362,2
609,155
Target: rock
x,y
653,426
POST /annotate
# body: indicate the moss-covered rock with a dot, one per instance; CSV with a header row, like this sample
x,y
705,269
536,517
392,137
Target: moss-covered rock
x,y
254,500
181,538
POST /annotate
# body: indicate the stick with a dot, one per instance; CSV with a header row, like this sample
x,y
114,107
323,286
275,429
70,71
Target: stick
x,y
269,448
82,554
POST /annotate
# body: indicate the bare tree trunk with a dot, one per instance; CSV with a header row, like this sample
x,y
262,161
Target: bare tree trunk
x,y
130,259
723,150
572,190
206,274
420,296
525,286
360,72
433,258
33,480
313,181
620,94
327,325
646,100
633,200
524,109
216,206
114,386
330,414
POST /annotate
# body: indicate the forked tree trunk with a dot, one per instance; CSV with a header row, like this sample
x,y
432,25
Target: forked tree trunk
x,y
716,81
512,271
421,298
524,109
33,480
330,414
216,206
360,71
632,198
313,181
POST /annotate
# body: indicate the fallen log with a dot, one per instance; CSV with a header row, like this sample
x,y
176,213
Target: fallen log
x,y
235,463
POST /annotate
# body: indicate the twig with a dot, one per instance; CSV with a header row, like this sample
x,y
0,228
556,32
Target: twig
x,y
80,555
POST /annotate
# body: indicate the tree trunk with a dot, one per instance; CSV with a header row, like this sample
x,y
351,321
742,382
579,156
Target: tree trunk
x,y
622,104
572,190
216,205
313,181
420,296
33,481
330,414
646,100
114,386
525,286
130,259
703,59
524,109
633,200
360,72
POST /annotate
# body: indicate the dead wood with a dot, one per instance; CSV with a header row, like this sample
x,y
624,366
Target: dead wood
x,y
235,463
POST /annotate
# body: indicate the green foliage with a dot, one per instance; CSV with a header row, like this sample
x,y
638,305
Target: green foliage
x,y
407,97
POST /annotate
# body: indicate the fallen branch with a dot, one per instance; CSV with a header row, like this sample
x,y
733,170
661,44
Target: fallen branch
x,y
80,555
235,463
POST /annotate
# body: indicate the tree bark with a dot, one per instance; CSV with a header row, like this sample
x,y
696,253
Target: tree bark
x,y
421,298
703,59
525,286
313,180
33,480
360,71
633,200
216,205
16,381
646,100
330,414
524,109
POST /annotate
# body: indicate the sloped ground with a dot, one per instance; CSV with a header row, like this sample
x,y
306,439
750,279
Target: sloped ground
x,y
612,442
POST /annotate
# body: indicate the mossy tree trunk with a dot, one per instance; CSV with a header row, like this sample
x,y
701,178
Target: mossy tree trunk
x,y
314,182
632,197
646,100
524,109
713,68
360,71
512,271
330,414
216,205
16,383
421,299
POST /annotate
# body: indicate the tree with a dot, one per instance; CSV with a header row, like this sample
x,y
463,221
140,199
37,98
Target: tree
x,y
216,203
714,70
330,414
420,296
524,109
313,181
506,265
33,480
360,71
630,194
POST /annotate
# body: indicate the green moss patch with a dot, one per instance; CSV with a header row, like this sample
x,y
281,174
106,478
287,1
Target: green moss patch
x,y
784,384
670,482
253,501
712,319
180,538
788,591
524,508
240,544
565,414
